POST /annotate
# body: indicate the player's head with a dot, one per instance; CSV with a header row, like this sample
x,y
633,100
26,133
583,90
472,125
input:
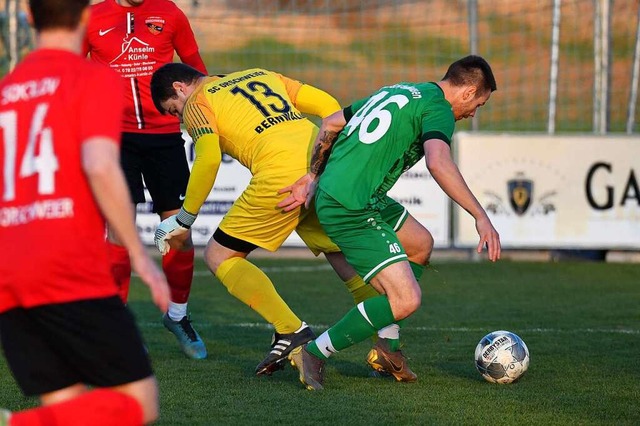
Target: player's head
x,y
470,82
58,14
171,85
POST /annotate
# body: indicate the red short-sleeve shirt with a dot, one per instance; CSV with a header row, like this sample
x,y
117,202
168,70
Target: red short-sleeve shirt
x,y
52,233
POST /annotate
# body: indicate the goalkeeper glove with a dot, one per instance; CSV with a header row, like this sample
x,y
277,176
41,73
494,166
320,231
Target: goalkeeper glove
x,y
170,227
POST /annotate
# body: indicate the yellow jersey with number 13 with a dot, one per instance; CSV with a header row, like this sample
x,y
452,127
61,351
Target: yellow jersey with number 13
x,y
254,114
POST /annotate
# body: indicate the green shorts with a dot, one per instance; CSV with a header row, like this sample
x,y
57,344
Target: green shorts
x,y
366,237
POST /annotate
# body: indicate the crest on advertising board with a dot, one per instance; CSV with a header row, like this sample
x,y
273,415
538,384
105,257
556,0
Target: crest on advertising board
x,y
520,193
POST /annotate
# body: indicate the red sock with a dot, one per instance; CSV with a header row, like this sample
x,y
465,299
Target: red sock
x,y
178,268
120,269
101,407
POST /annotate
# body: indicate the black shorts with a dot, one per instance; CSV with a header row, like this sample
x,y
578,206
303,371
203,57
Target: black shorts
x,y
51,347
161,160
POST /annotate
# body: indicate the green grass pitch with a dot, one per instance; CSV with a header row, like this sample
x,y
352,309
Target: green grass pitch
x,y
581,322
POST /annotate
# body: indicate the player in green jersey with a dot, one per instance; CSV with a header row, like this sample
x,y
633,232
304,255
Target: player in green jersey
x,y
360,153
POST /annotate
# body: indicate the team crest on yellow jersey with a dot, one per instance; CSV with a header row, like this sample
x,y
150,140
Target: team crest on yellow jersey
x,y
155,24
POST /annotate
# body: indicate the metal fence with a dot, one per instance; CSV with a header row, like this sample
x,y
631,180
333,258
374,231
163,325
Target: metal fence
x,y
561,65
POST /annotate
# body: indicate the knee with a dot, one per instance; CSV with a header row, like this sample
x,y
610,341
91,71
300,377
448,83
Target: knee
x,y
212,258
407,305
145,393
410,307
428,247
150,412
423,248
215,256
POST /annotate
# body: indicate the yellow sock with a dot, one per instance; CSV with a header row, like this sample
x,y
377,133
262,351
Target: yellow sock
x,y
360,290
249,284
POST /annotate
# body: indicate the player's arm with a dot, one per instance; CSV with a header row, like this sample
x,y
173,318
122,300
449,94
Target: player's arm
x,y
311,100
330,128
185,45
203,175
101,164
327,135
303,189
448,177
195,60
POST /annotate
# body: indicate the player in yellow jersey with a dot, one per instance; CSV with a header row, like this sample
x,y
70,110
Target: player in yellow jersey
x,y
255,116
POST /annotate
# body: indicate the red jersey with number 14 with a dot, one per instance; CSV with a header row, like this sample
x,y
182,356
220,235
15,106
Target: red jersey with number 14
x,y
136,41
51,231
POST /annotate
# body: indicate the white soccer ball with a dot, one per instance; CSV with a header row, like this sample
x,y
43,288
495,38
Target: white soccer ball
x,y
502,357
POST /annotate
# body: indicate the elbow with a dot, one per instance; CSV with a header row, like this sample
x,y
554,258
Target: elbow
x,y
96,169
435,166
335,122
207,163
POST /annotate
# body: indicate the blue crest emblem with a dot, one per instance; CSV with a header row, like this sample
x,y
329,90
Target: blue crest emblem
x,y
520,194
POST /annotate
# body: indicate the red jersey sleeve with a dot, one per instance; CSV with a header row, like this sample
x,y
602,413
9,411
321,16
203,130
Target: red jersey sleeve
x,y
184,42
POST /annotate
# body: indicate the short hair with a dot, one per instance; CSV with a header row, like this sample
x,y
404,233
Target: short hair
x,y
163,78
54,14
471,70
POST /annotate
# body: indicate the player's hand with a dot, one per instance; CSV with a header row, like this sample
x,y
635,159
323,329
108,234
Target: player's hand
x,y
153,277
489,237
168,228
302,192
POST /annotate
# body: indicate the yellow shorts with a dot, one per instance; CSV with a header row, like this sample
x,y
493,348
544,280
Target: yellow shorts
x,y
255,218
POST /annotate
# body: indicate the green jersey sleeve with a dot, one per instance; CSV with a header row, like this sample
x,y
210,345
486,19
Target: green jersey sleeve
x,y
351,109
438,122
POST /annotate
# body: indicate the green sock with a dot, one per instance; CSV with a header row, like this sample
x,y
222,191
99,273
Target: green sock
x,y
354,327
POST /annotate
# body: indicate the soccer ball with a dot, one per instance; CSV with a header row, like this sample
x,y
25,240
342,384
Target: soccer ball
x,y
502,357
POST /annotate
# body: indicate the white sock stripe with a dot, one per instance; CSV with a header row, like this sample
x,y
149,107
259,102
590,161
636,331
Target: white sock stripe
x,y
177,311
479,329
364,313
324,344
391,331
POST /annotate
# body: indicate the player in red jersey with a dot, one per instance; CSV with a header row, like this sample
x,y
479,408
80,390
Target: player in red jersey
x,y
136,37
66,334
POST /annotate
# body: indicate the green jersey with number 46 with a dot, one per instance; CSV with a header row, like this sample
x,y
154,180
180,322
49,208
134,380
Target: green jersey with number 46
x,y
382,139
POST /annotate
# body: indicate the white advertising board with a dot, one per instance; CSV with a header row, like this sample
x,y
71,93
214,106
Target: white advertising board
x,y
544,191
420,194
231,180
416,189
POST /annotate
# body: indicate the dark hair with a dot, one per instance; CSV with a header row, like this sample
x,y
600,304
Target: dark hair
x,y
50,14
163,78
471,70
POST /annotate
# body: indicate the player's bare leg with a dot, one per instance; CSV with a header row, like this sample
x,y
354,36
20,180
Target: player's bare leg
x,y
385,357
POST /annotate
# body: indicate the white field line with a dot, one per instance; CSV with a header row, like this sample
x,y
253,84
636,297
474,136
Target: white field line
x,y
266,326
327,267
271,269
277,269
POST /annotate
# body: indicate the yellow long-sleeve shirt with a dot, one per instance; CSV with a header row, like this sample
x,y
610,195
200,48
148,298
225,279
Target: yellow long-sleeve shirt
x,y
255,116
